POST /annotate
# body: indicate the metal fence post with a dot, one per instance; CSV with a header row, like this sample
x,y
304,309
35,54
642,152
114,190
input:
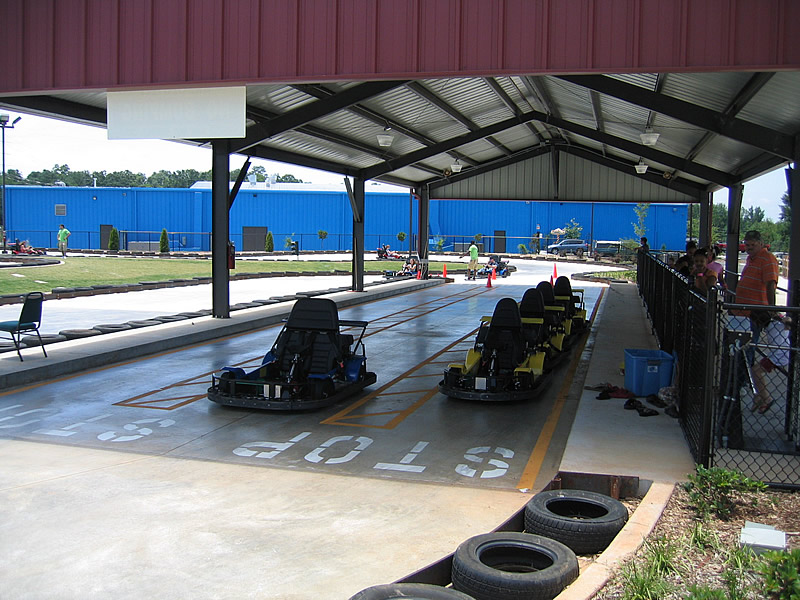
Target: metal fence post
x,y
710,339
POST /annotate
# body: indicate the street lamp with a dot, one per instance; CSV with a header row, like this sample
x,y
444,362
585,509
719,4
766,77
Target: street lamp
x,y
3,125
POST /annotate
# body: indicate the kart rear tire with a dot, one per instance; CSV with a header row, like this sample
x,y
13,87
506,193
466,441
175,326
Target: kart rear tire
x,y
422,591
513,566
584,521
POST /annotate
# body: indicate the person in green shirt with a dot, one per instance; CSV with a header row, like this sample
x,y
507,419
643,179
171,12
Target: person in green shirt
x,y
63,235
472,269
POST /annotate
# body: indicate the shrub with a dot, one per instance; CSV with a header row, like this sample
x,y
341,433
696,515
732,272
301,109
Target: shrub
x,y
287,243
163,245
715,490
781,571
401,237
439,243
522,249
322,235
113,239
269,243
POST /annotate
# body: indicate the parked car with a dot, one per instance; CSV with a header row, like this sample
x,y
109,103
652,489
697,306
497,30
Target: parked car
x,y
723,246
608,249
569,246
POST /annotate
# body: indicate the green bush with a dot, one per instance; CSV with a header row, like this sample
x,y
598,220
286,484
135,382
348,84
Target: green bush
x,y
163,245
322,235
401,237
715,491
269,243
781,571
113,239
287,243
522,249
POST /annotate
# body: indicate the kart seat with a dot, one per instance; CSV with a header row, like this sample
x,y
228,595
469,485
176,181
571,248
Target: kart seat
x,y
549,298
504,340
563,289
312,332
532,307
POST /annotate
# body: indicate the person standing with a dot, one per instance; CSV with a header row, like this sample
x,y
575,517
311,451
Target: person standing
x,y
63,235
757,285
472,269
644,247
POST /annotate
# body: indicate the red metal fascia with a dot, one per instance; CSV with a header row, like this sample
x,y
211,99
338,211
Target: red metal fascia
x,y
74,44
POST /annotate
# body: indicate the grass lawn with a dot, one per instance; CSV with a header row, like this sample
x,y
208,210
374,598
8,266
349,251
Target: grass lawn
x,y
98,270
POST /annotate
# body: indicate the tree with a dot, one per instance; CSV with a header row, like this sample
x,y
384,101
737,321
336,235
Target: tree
x,y
641,210
269,243
752,218
125,179
113,239
163,245
786,208
322,235
573,229
288,178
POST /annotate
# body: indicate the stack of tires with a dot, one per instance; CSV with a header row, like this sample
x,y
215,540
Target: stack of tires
x,y
535,565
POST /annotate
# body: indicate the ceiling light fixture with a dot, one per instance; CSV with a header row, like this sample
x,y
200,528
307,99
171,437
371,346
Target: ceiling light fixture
x,y
641,167
649,138
456,167
385,139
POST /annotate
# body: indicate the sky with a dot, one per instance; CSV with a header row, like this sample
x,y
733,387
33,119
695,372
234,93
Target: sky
x,y
38,143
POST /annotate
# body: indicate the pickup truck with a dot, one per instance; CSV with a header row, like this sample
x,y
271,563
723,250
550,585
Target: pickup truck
x,y
567,246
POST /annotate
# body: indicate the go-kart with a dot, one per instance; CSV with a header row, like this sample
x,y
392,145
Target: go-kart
x,y
311,365
386,253
572,301
506,362
502,268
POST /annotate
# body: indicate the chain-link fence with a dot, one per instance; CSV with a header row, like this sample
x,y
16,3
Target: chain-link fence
x,y
737,375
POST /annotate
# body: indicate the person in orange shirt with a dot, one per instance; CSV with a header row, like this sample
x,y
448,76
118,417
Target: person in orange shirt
x,y
757,285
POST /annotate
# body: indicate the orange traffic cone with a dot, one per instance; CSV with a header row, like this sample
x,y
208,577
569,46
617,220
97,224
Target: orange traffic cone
x,y
554,276
488,281
444,270
494,273
419,273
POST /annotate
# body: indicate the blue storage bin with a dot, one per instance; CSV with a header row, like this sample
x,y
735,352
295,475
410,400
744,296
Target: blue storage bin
x,y
647,371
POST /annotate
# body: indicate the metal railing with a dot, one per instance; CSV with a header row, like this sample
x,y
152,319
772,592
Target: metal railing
x,y
738,396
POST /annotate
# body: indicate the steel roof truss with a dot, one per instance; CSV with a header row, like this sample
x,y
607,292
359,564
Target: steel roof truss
x,y
743,131
312,111
488,166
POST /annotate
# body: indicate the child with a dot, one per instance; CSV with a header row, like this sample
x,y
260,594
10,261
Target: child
x,y
704,278
775,336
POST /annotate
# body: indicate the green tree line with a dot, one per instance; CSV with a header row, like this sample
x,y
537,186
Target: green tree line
x,y
184,178
775,233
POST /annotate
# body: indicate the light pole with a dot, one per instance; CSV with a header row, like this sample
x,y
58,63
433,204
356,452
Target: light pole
x,y
3,125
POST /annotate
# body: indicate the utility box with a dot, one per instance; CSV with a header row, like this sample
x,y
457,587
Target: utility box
x,y
647,371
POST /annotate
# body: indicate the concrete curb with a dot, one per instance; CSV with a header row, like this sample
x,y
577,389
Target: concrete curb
x,y
628,541
72,356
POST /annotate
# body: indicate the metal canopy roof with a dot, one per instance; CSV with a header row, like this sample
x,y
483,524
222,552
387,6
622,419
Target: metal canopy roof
x,y
716,129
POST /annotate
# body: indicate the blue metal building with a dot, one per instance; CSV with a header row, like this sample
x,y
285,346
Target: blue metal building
x,y
299,211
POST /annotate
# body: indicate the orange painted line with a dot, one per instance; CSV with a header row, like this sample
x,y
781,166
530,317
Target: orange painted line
x,y
377,414
528,478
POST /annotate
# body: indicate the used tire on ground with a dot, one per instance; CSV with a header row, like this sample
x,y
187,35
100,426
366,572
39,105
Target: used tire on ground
x,y
421,591
587,522
74,334
112,327
513,566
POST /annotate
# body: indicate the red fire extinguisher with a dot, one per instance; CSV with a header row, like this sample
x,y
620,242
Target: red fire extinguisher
x,y
231,255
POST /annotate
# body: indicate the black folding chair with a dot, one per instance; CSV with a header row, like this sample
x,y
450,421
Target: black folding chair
x,y
29,320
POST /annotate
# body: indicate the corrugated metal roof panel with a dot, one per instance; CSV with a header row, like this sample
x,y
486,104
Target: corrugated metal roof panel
x,y
776,105
292,141
726,154
472,97
645,80
277,98
517,138
571,100
710,90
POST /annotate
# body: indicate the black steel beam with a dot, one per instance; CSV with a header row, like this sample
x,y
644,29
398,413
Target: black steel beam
x,y
314,110
446,145
509,102
431,98
682,186
488,166
319,91
47,106
763,163
758,136
220,229
238,184
398,181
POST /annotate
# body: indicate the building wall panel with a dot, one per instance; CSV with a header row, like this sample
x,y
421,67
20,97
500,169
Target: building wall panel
x,y
69,58
102,42
357,31
170,32
135,41
278,36
316,37
37,45
31,216
395,36
207,27
241,39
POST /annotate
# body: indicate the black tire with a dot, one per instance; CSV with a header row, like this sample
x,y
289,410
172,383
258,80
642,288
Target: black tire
x,y
112,327
421,591
513,566
587,522
74,334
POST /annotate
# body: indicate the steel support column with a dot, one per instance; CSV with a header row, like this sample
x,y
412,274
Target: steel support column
x,y
735,193
793,189
423,228
706,206
358,234
220,225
